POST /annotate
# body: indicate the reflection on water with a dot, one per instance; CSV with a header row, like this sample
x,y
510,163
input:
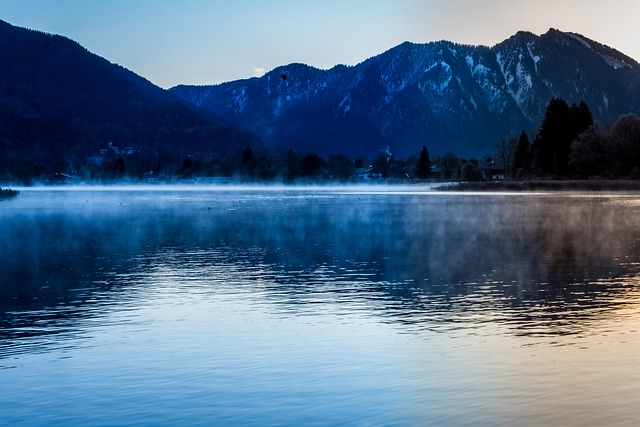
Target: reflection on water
x,y
357,306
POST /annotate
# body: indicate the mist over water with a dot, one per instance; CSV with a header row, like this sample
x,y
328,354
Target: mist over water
x,y
372,305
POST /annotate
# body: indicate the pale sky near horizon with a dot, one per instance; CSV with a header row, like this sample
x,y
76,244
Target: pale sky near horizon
x,y
210,41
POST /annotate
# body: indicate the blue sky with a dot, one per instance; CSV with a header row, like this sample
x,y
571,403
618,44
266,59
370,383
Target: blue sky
x,y
211,41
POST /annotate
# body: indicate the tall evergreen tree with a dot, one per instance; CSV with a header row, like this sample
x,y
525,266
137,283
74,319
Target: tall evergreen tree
x,y
521,158
423,168
560,127
291,170
119,167
552,142
584,119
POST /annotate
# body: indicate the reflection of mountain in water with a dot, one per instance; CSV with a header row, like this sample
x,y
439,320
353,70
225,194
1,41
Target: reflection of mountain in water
x,y
538,264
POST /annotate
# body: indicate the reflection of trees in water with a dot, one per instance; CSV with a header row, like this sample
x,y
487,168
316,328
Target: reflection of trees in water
x,y
543,268
531,262
551,265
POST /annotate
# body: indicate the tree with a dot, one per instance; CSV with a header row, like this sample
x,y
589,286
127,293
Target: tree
x,y
361,162
552,145
158,169
187,165
119,167
423,168
382,161
450,165
582,117
340,167
560,127
471,171
521,157
248,162
506,153
247,155
291,170
312,165
589,156
625,144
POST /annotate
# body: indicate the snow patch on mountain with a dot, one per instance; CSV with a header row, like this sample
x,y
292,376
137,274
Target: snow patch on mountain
x,y
480,70
430,67
615,63
345,105
392,86
535,58
518,84
485,78
446,69
199,98
473,102
470,62
439,75
239,100
579,40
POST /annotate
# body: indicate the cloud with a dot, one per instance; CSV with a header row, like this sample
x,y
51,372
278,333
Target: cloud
x,y
258,71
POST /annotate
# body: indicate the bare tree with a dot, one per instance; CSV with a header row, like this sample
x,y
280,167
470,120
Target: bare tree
x,y
589,156
506,153
625,144
450,165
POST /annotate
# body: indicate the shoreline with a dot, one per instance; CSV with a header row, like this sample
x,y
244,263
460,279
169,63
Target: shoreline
x,y
545,185
7,193
437,186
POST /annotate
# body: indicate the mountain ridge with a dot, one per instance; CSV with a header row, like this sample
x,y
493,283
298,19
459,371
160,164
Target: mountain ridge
x,y
61,103
449,96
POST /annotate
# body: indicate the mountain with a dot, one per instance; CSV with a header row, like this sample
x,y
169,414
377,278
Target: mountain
x,y
59,102
451,97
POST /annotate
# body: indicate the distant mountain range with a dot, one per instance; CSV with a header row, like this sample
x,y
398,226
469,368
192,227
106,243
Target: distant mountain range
x,y
451,97
59,101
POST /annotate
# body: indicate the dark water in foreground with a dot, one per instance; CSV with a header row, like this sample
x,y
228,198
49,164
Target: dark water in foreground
x,y
384,306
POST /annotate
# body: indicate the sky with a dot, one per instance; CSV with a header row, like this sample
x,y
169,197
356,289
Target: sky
x,y
173,42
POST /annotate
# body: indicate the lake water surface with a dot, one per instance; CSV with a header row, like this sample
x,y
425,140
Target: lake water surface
x,y
318,306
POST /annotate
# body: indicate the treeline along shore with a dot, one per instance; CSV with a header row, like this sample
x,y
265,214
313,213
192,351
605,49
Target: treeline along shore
x,y
6,193
569,151
545,185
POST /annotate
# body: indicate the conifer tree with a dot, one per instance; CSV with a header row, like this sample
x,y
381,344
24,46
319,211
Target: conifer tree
x,y
423,168
521,157
119,167
584,119
561,126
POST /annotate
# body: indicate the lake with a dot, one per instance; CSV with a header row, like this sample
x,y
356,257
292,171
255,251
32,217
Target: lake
x,y
318,306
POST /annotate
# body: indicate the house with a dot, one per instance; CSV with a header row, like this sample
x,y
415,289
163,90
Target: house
x,y
112,149
492,170
368,173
